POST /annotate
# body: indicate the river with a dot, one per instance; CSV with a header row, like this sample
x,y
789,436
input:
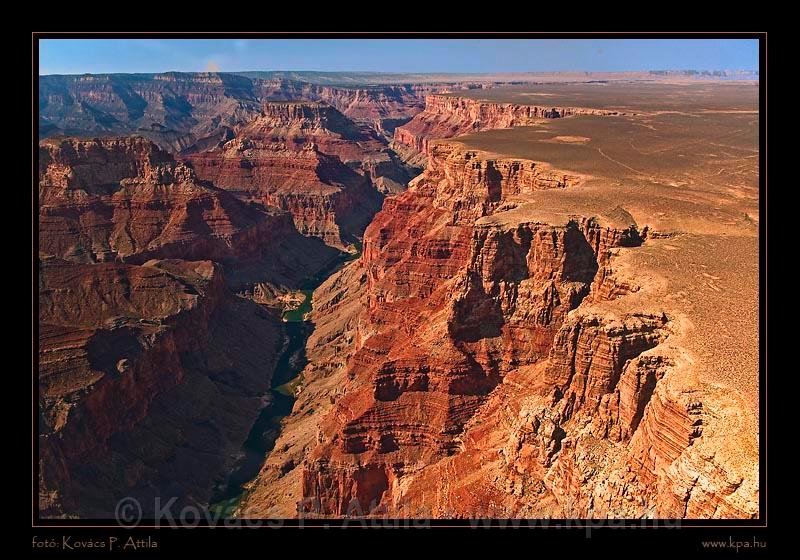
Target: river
x,y
278,402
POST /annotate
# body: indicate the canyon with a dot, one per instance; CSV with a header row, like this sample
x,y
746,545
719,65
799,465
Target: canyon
x,y
529,301
528,332
180,110
139,264
148,382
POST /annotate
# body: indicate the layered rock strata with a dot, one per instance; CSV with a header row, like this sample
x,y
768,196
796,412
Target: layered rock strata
x,y
174,109
382,107
446,116
484,370
310,160
186,111
149,381
151,372
124,199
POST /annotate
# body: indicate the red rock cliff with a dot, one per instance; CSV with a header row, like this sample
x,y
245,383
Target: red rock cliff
x,y
150,371
126,199
490,371
308,159
447,116
453,302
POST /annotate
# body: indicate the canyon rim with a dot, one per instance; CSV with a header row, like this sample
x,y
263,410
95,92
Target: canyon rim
x,y
446,295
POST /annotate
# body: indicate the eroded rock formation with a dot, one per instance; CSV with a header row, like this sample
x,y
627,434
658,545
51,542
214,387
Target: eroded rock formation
x,y
489,355
174,109
151,370
311,160
124,199
483,370
383,107
149,380
446,116
189,110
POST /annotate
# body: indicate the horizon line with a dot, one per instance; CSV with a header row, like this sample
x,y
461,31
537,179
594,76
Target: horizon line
x,y
377,73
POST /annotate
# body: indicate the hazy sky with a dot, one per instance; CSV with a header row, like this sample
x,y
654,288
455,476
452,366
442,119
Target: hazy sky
x,y
77,56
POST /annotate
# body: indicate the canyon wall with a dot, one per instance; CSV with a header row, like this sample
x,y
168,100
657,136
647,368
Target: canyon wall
x,y
124,199
173,109
447,116
151,370
181,111
484,357
489,367
149,380
383,107
307,158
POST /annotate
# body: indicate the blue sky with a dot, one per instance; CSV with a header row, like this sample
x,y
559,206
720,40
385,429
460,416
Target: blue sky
x,y
77,56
